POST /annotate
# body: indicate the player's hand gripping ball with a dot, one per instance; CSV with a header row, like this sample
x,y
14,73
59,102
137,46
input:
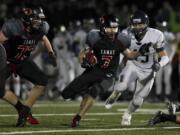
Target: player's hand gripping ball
x,y
89,59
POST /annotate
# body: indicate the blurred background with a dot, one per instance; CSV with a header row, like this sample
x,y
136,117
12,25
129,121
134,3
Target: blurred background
x,y
70,20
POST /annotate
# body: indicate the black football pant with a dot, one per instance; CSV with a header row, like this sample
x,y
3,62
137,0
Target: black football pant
x,y
86,83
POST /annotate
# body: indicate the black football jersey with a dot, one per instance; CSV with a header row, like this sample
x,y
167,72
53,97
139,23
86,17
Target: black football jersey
x,y
21,43
107,51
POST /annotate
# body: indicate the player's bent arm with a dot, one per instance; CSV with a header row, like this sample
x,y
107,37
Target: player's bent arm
x,y
47,44
131,54
164,58
3,38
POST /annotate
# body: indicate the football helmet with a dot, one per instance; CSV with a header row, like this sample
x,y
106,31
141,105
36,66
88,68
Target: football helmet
x,y
138,24
109,26
32,17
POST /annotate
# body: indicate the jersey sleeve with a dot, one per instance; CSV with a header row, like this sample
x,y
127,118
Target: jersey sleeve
x,y
125,40
160,42
45,28
11,28
92,38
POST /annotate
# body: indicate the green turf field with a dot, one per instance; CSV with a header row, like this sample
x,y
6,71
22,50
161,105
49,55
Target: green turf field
x,y
55,119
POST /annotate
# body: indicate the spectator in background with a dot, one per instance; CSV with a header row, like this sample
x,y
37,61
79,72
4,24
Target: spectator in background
x,y
164,74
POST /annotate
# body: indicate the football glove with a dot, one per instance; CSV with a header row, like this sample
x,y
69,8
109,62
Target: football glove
x,y
156,66
89,60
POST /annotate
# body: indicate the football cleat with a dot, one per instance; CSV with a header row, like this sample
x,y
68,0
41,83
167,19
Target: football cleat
x,y
126,119
112,99
22,118
157,118
32,120
171,107
75,121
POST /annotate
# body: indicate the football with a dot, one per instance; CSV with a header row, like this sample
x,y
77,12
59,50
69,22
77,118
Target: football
x,y
90,57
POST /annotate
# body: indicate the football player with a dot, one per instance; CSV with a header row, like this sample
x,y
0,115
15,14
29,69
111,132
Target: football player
x,y
143,68
101,60
19,37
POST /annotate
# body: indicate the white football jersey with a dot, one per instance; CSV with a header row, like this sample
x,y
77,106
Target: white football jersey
x,y
153,37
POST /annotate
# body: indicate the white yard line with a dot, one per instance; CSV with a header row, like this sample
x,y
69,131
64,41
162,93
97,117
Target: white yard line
x,y
90,119
71,114
145,111
81,130
61,114
120,112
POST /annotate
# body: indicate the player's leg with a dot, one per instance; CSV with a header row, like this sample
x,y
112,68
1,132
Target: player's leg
x,y
32,73
86,104
8,95
88,99
142,91
83,83
126,76
11,98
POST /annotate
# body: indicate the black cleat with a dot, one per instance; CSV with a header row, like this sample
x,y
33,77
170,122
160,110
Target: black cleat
x,y
22,118
157,118
75,121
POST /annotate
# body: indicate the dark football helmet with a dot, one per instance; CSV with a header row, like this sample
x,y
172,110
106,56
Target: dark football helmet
x,y
109,26
138,24
32,17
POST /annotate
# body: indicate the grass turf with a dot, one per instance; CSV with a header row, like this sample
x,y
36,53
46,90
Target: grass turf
x,y
55,118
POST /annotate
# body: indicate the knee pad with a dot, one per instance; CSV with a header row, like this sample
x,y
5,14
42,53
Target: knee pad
x,y
138,101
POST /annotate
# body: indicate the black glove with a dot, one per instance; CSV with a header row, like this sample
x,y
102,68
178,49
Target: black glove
x,y
156,66
144,49
52,59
